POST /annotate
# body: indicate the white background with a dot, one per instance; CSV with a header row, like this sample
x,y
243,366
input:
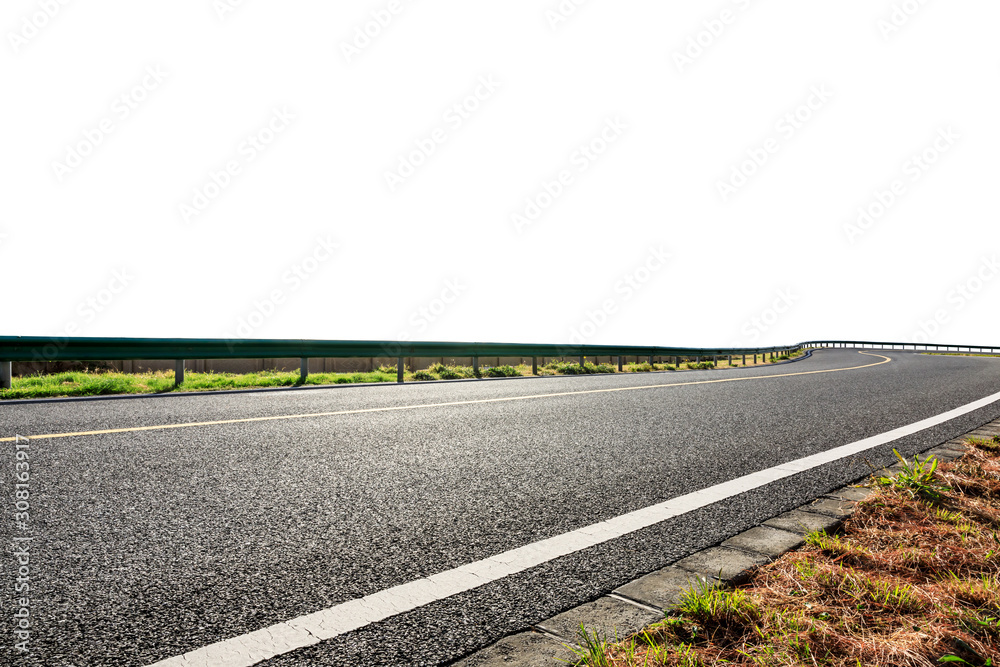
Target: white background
x,y
104,248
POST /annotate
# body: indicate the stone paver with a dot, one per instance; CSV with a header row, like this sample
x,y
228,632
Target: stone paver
x,y
609,617
839,509
944,454
663,588
949,446
730,565
891,471
765,540
802,522
855,493
525,649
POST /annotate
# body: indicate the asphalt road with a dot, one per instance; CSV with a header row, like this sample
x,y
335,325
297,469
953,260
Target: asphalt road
x,y
151,543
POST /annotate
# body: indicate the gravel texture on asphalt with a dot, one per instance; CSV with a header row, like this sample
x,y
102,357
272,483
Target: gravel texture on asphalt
x,y
150,544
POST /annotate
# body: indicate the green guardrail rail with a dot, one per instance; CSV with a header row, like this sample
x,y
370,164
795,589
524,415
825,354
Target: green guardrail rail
x,y
35,349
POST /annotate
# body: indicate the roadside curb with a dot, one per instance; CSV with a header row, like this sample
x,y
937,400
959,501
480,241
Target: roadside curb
x,y
639,603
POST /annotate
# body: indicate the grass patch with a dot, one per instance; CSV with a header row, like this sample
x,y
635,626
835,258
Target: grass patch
x,y
700,366
644,367
501,372
574,368
960,354
914,579
452,372
916,478
78,383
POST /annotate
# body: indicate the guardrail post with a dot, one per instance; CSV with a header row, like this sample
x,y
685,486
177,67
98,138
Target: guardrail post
x,y
581,361
755,359
620,368
399,369
534,365
475,366
744,360
5,374
178,372
650,360
303,369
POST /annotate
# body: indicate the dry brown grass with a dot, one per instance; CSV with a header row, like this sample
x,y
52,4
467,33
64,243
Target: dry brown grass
x,y
908,582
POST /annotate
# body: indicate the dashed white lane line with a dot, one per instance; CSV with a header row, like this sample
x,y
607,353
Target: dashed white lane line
x,y
304,631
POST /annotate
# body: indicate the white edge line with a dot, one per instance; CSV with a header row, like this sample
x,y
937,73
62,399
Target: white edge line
x,y
249,649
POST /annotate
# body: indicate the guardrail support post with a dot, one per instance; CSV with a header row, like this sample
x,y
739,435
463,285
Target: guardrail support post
x,y
534,365
581,362
475,366
650,360
5,374
755,359
744,360
620,368
178,372
399,369
303,369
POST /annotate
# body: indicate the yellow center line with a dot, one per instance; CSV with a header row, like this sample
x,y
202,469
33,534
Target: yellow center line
x,y
247,420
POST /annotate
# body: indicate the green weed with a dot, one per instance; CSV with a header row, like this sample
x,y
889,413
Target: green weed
x,y
916,478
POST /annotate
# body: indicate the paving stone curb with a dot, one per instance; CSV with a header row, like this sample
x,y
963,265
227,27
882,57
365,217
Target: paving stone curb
x,y
637,604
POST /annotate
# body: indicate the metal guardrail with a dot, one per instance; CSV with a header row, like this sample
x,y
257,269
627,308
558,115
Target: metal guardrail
x,y
25,348
926,347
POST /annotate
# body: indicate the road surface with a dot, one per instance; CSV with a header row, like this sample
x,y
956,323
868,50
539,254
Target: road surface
x,y
157,530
